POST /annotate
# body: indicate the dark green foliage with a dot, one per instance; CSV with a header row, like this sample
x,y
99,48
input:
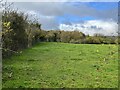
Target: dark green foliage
x,y
77,37
17,33
63,36
18,24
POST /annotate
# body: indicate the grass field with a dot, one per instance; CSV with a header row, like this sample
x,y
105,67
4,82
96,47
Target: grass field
x,y
52,65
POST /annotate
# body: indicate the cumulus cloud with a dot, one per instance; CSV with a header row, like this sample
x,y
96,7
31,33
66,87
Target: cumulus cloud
x,y
91,27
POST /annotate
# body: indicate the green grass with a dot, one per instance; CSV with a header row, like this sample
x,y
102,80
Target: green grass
x,y
52,65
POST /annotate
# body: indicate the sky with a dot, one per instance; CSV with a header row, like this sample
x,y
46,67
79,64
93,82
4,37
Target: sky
x,y
86,17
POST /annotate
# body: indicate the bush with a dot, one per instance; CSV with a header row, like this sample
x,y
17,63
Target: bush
x,y
17,33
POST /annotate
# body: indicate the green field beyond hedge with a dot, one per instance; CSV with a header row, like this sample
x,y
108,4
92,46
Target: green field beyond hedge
x,y
59,65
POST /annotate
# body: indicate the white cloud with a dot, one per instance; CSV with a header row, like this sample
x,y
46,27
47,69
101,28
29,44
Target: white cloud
x,y
93,26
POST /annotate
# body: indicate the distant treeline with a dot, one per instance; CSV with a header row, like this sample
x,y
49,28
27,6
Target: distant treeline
x,y
76,37
18,33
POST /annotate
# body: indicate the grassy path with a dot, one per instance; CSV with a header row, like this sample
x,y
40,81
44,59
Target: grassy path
x,y
52,65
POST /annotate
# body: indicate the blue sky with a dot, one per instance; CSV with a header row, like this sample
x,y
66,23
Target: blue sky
x,y
74,15
103,5
68,19
99,6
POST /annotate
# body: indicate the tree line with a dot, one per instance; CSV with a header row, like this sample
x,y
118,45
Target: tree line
x,y
76,37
